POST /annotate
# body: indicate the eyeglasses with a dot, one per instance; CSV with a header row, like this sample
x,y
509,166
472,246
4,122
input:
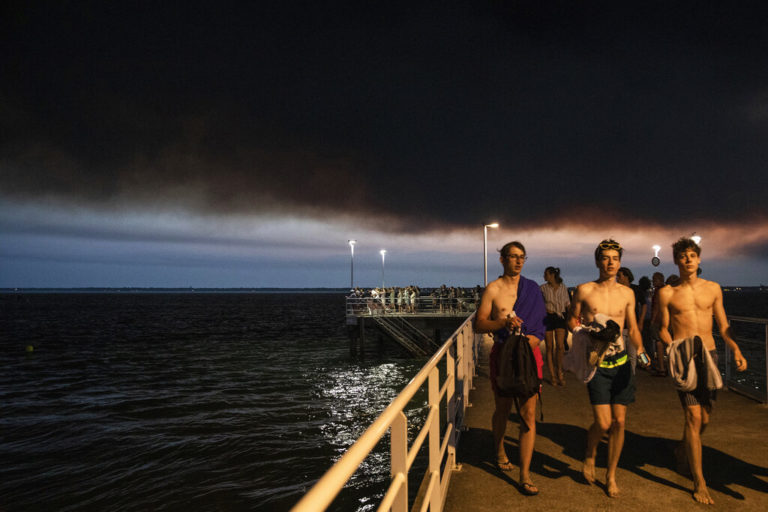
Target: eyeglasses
x,y
518,257
610,245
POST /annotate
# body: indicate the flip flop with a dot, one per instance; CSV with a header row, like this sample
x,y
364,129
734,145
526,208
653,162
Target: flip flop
x,y
529,489
504,465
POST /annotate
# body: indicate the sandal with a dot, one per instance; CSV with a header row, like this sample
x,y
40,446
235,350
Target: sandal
x,y
529,489
504,465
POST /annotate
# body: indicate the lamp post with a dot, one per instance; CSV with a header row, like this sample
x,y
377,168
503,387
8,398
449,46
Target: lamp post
x,y
485,250
352,264
383,252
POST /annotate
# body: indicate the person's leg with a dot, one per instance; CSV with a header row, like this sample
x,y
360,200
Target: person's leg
x,y
548,341
661,351
499,424
615,445
696,419
527,440
601,424
560,351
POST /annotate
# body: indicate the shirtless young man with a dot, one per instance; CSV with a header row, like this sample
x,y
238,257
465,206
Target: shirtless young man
x,y
508,303
613,386
686,309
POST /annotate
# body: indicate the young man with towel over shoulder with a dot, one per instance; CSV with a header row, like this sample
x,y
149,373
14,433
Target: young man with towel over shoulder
x,y
686,310
612,385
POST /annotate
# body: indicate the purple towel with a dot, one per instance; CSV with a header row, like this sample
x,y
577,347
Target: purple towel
x,y
530,307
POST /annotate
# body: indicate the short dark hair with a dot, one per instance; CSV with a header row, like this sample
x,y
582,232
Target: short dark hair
x,y
683,245
504,251
605,245
628,273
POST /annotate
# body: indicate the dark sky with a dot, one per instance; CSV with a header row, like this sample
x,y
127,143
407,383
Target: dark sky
x,y
410,116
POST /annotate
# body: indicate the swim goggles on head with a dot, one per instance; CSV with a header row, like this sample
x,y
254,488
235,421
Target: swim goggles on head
x,y
609,245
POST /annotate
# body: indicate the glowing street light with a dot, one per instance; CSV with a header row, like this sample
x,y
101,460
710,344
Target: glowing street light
x,y
352,264
696,239
655,260
485,250
383,252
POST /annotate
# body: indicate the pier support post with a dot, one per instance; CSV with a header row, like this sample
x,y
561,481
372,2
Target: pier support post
x,y
361,338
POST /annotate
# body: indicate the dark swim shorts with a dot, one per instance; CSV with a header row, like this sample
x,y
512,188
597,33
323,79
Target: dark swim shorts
x,y
701,395
552,321
613,385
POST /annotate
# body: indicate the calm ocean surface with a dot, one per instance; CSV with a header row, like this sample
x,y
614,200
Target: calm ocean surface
x,y
209,401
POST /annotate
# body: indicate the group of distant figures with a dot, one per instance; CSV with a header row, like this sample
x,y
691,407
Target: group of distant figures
x,y
412,299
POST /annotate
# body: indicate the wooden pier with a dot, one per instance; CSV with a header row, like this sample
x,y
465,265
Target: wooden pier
x,y
420,332
735,454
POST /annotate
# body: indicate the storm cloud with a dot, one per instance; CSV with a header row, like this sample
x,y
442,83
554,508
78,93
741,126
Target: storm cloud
x,y
599,113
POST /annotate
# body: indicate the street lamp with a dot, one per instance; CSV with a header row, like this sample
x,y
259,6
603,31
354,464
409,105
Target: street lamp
x,y
352,264
383,252
485,250
655,260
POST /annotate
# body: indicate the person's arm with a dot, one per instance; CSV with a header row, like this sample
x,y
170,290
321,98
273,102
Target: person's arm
x,y
483,322
725,329
643,312
662,313
574,313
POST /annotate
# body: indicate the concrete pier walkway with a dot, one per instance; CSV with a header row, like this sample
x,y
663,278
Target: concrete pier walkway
x,y
735,454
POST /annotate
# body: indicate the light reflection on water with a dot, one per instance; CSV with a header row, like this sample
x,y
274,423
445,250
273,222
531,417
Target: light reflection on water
x,y
356,396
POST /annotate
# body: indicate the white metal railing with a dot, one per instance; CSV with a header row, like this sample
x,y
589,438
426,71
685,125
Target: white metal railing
x,y
370,306
460,355
753,382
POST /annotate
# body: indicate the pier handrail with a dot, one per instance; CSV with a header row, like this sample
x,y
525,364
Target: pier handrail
x,y
731,380
459,369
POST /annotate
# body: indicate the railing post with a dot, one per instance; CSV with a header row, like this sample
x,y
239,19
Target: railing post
x,y
435,501
450,374
469,364
458,343
727,366
399,460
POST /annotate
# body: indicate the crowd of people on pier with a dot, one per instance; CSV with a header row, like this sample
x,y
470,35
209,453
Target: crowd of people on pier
x,y
616,327
412,299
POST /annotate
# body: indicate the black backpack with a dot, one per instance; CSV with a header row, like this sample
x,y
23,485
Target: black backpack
x,y
517,374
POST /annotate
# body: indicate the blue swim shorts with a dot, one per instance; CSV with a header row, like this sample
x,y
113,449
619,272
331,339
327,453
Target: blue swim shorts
x,y
614,385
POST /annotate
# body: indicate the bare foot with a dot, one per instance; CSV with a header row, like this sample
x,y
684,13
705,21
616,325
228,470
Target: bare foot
x,y
701,494
612,488
681,458
588,470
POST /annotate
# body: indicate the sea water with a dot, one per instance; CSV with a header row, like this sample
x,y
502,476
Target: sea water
x,y
184,401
